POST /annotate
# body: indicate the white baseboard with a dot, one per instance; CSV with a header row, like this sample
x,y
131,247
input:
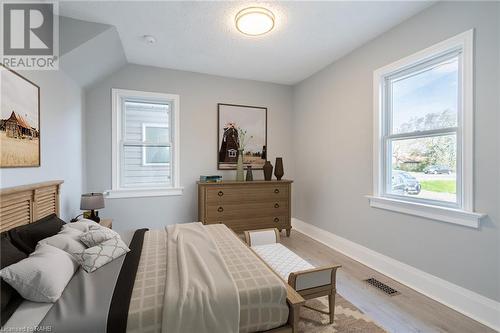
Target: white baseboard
x,y
471,304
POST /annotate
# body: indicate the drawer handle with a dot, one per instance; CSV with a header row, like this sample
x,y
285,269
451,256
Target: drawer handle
x,y
276,190
276,219
220,193
220,209
276,205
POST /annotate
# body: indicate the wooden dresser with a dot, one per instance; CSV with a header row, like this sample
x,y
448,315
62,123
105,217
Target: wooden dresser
x,y
246,205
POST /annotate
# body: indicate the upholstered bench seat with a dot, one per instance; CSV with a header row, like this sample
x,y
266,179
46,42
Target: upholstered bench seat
x,y
309,281
282,260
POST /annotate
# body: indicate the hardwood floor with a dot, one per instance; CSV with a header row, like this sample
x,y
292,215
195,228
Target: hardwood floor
x,y
408,311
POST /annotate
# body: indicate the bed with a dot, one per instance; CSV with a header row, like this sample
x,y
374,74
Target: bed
x,y
142,291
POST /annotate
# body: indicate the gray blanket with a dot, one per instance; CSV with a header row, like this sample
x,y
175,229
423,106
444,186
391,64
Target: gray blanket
x,y
83,307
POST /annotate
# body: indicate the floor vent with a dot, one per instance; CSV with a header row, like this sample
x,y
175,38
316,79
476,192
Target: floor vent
x,y
382,286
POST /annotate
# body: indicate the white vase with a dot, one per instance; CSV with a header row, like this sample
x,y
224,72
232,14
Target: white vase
x,y
239,167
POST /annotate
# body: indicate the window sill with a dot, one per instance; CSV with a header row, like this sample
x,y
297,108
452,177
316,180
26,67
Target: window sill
x,y
143,193
444,214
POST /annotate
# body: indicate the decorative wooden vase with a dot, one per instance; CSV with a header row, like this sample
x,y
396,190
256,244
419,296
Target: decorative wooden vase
x,y
249,176
278,168
240,175
268,170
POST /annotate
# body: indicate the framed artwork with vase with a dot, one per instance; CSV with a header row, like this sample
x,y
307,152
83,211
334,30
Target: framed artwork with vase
x,y
242,137
19,121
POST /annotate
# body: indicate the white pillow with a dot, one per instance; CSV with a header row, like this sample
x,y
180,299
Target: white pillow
x,y
68,239
82,225
97,235
101,254
42,276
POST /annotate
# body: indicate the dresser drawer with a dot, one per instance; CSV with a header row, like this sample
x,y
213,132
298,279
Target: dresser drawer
x,y
239,194
230,211
240,225
246,205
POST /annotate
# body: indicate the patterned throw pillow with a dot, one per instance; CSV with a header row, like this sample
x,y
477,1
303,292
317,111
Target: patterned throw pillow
x,y
101,254
96,235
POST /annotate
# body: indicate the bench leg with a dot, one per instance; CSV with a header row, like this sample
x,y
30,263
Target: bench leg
x,y
294,318
288,230
331,306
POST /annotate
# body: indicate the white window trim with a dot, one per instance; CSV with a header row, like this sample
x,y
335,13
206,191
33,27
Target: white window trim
x,y
465,215
168,144
117,97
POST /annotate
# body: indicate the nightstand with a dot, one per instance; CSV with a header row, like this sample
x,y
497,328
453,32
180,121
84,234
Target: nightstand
x,y
108,223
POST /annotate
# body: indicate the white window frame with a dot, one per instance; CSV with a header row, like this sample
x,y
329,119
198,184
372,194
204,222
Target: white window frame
x,y
463,212
386,128
169,144
118,97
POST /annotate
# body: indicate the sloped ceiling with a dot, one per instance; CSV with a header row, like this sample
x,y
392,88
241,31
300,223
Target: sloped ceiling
x,y
89,51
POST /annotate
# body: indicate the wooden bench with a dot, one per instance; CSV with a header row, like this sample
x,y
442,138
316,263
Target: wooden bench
x,y
309,281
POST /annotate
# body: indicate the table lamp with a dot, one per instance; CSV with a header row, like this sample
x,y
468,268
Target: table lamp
x,y
92,202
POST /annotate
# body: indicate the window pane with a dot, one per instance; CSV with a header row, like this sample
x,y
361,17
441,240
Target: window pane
x,y
135,173
156,134
156,155
424,168
139,114
426,99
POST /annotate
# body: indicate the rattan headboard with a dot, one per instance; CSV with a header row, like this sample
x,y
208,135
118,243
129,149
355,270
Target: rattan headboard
x,y
28,203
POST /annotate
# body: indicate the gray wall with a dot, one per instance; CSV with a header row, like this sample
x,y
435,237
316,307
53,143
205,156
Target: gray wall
x,y
61,139
333,152
199,95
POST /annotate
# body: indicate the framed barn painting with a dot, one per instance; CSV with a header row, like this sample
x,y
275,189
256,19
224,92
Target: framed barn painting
x,y
19,121
242,129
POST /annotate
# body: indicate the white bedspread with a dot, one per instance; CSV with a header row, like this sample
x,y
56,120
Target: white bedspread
x,y
200,295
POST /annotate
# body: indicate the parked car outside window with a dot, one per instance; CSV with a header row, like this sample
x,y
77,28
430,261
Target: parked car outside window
x,y
438,169
404,183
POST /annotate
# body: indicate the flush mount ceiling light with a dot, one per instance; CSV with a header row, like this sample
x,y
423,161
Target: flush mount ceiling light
x,y
254,21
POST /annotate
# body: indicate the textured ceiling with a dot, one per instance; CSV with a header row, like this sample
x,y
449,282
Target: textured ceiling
x,y
201,36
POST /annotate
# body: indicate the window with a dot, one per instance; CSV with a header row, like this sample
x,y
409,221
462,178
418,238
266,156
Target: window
x,y
423,133
421,109
145,137
156,134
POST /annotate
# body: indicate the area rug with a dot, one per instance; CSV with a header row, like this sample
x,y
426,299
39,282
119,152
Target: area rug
x,y
348,318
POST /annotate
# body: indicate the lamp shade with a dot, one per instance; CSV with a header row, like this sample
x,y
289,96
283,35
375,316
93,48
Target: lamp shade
x,y
91,201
